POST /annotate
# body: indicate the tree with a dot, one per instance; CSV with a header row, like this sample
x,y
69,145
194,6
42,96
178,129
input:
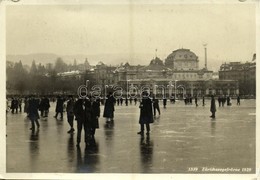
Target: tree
x,y
33,69
60,65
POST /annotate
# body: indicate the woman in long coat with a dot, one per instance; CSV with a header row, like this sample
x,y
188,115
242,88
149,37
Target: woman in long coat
x,y
109,108
213,107
146,114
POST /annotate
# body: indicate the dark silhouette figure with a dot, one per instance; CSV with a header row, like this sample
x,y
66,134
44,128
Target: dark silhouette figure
x,y
109,108
59,107
33,114
238,100
146,114
156,106
46,106
14,105
213,107
95,114
164,102
196,101
82,111
70,113
203,101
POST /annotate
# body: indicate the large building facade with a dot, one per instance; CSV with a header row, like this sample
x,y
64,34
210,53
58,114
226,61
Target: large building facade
x,y
244,73
179,75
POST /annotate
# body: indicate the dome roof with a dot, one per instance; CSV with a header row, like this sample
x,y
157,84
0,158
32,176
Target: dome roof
x,y
182,54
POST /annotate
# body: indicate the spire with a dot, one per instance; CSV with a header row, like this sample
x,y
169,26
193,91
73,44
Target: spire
x,y
205,48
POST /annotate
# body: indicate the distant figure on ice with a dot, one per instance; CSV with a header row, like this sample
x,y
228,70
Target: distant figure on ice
x,y
156,106
203,100
238,100
14,105
33,114
146,114
219,101
196,100
228,101
46,106
164,102
213,107
59,107
109,108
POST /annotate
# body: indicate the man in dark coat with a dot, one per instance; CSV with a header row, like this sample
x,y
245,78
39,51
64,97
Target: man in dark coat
x,y
59,107
82,111
196,100
164,102
33,114
14,105
146,114
109,108
238,100
46,106
213,107
156,106
70,113
95,114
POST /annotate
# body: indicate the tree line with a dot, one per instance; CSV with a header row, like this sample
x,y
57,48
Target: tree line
x,y
40,79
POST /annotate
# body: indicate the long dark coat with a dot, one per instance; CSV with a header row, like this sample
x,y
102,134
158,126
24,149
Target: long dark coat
x,y
33,106
59,105
46,104
83,115
146,111
213,105
95,114
109,107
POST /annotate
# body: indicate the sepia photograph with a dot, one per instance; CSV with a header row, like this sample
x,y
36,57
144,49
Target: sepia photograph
x,y
112,88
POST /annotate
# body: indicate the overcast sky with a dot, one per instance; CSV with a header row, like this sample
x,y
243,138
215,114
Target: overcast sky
x,y
229,30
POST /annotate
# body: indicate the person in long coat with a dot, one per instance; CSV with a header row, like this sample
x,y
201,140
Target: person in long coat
x,y
33,115
95,114
109,108
46,106
156,106
59,107
213,107
146,114
70,113
82,111
238,100
14,105
164,102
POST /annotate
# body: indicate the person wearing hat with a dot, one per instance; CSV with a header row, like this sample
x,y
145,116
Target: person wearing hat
x,y
82,111
33,115
146,114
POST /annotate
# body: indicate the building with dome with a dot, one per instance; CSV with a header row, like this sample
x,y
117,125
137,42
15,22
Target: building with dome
x,y
182,59
179,75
